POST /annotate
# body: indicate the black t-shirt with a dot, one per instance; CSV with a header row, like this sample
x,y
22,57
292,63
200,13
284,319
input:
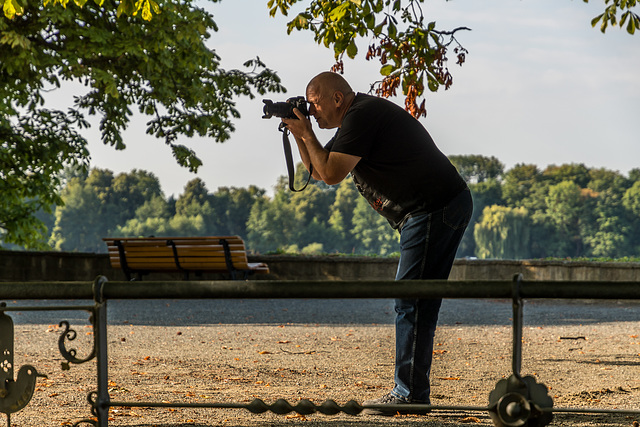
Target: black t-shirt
x,y
401,171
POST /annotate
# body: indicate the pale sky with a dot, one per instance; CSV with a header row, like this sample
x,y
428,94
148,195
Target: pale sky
x,y
540,86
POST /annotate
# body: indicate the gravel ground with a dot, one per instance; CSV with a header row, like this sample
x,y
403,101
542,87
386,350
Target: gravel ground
x,y
586,353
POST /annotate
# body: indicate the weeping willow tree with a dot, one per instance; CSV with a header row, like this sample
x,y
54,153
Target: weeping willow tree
x,y
503,233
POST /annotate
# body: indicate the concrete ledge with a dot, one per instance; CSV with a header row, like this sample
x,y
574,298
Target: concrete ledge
x,y
16,266
546,270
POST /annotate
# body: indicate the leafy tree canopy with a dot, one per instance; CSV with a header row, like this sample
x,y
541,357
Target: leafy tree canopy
x,y
161,67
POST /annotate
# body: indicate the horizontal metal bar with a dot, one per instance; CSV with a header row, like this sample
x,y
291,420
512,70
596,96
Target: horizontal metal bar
x,y
231,405
46,290
226,289
416,407
49,308
590,411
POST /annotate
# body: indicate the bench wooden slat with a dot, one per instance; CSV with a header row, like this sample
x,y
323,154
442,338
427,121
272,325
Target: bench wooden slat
x,y
142,255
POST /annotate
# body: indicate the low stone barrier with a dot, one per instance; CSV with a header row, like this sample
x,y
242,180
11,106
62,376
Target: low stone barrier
x,y
29,266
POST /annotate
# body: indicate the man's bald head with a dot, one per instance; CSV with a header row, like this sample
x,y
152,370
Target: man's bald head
x,y
328,82
329,96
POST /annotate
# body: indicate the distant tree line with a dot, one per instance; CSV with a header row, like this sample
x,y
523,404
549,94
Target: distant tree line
x,y
561,211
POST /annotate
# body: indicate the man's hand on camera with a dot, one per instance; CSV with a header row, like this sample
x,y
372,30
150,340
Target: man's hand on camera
x,y
300,127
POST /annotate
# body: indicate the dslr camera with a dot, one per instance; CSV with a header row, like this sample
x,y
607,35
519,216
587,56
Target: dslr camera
x,y
285,109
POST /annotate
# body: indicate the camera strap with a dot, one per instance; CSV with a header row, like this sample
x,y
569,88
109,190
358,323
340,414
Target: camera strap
x,y
289,159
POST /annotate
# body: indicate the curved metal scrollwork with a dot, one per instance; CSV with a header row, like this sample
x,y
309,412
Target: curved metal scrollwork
x,y
70,355
92,398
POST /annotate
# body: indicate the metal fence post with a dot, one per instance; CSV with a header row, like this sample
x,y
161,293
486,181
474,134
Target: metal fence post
x,y
102,402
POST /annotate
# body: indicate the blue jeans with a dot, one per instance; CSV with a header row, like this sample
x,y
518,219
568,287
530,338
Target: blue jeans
x,y
428,245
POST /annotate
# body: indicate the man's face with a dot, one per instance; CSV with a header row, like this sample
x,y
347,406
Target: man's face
x,y
322,107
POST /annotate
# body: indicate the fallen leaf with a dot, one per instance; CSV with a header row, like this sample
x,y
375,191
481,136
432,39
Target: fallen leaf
x,y
449,378
470,420
264,352
292,416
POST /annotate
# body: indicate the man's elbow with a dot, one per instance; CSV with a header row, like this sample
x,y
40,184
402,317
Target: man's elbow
x,y
333,178
332,181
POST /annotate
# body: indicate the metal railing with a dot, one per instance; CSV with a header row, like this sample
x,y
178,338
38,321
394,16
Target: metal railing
x,y
515,401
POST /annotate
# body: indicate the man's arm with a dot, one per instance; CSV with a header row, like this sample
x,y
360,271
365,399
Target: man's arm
x,y
306,160
328,166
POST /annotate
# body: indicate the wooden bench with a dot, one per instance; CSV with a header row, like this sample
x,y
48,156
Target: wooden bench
x,y
143,255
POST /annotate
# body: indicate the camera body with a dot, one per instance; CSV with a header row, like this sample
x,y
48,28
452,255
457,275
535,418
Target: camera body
x,y
285,109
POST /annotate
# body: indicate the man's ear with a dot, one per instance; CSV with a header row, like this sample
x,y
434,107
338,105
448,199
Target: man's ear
x,y
338,98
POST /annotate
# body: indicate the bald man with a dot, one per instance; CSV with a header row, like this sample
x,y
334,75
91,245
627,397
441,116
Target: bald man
x,y
397,167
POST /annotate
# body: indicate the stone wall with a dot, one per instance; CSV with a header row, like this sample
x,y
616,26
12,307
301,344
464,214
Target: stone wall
x,y
18,266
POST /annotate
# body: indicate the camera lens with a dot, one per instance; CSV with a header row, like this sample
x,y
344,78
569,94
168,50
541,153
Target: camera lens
x,y
277,109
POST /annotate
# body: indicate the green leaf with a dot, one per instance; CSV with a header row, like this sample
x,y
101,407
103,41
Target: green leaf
x,y
595,20
624,17
155,7
378,29
432,83
392,30
370,21
631,26
352,49
300,22
338,13
386,69
272,10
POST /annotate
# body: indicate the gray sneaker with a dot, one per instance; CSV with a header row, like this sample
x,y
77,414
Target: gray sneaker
x,y
397,406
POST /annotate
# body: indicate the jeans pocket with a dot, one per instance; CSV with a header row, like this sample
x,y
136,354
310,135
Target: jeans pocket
x,y
457,214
